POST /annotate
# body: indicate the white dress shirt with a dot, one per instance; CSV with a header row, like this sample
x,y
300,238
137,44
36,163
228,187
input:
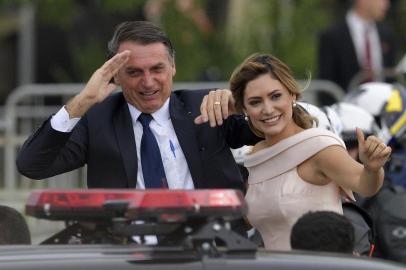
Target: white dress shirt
x,y
174,161
358,26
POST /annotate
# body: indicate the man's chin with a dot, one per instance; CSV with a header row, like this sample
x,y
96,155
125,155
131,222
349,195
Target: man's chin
x,y
151,108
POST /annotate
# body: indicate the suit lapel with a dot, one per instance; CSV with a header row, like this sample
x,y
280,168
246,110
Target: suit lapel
x,y
187,133
126,142
352,54
386,47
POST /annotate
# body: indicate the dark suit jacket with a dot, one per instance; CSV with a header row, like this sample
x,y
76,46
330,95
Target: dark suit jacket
x,y
337,57
104,140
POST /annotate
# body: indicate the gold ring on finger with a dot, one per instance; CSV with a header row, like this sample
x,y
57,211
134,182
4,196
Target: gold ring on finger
x,y
217,103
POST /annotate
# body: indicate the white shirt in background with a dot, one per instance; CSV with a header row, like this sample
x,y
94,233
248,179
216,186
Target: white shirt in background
x,y
357,27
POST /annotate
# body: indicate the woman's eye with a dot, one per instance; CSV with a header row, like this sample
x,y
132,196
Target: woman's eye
x,y
253,103
276,96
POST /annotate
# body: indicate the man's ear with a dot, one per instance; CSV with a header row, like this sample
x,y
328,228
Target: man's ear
x,y
173,70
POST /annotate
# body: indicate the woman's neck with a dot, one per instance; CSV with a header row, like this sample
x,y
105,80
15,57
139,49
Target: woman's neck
x,y
288,131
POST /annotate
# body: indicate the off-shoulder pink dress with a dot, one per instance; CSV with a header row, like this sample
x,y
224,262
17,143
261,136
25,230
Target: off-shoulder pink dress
x,y
276,194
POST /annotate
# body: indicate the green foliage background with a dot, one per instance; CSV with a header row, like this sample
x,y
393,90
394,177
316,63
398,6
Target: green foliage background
x,y
285,28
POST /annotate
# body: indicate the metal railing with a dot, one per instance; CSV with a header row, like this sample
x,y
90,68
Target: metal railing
x,y
27,107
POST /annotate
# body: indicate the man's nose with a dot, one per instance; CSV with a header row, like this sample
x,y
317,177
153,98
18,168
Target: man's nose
x,y
148,80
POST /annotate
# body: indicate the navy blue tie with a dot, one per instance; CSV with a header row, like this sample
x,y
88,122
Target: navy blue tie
x,y
151,161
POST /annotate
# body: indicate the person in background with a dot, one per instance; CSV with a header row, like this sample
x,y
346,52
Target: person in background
x,y
143,136
13,227
323,231
295,168
359,48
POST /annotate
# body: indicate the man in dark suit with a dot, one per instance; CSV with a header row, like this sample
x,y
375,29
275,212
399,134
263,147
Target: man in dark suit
x,y
105,130
358,48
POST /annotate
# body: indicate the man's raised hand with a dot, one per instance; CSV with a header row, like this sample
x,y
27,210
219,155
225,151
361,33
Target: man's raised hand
x,y
98,87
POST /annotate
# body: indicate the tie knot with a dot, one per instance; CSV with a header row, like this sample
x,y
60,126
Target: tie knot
x,y
145,119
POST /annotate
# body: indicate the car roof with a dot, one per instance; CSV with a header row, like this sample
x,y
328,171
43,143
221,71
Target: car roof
x,y
118,257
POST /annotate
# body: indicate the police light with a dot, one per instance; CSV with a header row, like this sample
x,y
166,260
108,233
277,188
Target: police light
x,y
164,204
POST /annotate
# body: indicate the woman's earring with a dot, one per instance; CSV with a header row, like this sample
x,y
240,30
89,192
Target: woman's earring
x,y
294,104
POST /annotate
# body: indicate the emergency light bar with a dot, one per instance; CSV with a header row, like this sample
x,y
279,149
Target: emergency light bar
x,y
165,204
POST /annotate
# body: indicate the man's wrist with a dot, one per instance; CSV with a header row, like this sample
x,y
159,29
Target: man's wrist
x,y
78,106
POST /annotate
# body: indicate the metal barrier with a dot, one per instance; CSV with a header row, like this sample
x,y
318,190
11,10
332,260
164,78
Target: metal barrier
x,y
322,92
27,107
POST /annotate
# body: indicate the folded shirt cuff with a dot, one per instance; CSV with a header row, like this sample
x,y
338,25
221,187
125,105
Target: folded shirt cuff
x,y
61,122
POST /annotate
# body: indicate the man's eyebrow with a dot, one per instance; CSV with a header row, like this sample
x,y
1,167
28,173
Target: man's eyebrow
x,y
133,69
158,65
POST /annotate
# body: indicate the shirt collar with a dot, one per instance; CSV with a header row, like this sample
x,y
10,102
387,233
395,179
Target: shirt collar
x,y
359,23
161,116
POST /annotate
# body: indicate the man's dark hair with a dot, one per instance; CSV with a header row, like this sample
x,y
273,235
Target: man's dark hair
x,y
141,32
323,231
13,227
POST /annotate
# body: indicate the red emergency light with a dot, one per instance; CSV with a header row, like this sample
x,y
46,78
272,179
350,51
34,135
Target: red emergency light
x,y
134,204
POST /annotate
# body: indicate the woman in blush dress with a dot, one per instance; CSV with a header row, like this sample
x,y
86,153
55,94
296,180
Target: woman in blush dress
x,y
296,168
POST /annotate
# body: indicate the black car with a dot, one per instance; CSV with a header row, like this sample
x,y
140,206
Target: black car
x,y
120,257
